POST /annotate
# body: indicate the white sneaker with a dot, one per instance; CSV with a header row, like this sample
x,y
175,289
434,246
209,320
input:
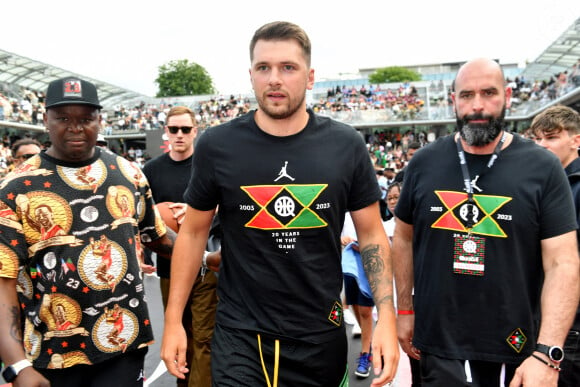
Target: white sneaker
x,y
349,317
356,332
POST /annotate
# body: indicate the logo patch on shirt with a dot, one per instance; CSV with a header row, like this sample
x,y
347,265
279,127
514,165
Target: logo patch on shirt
x,y
482,213
335,315
285,206
517,340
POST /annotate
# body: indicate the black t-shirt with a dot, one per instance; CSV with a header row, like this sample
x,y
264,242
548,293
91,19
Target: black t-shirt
x,y
573,173
282,202
168,180
520,201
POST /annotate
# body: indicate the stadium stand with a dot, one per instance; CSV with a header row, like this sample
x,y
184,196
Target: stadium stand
x,y
386,113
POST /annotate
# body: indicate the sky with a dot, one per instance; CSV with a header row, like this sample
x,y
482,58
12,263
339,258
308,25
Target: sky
x,y
124,42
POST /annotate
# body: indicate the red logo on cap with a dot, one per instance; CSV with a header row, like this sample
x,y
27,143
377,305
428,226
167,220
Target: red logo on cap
x,y
72,88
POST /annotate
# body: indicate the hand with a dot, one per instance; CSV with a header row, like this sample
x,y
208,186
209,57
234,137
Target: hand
x,y
385,352
532,373
213,260
147,269
178,211
29,377
345,240
173,350
405,326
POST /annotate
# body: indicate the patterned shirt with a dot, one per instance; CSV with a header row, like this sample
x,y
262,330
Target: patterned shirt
x,y
69,234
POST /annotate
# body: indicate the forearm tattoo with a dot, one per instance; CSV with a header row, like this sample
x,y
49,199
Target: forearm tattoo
x,y
16,324
377,271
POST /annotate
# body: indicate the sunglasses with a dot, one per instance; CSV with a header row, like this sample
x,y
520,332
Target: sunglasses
x,y
26,156
184,129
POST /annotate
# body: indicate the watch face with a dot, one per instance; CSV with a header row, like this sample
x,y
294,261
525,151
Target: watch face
x,y
556,354
9,375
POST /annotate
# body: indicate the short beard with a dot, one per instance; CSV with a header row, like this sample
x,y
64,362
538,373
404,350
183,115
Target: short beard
x,y
292,108
480,134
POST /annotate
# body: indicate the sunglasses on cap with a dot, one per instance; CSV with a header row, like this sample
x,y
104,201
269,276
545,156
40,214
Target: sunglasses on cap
x,y
26,156
184,129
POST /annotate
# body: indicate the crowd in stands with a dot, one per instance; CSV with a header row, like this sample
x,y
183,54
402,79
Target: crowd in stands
x,y
28,108
545,91
388,148
152,116
348,104
400,104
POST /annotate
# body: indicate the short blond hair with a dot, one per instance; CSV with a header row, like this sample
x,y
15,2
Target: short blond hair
x,y
179,110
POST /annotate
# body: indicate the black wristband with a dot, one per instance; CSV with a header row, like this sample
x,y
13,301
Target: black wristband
x,y
557,368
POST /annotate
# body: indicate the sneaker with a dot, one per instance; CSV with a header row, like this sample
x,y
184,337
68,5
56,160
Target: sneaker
x,y
356,331
364,365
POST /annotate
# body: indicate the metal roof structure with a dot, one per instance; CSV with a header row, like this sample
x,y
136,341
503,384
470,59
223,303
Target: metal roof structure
x,y
558,57
19,71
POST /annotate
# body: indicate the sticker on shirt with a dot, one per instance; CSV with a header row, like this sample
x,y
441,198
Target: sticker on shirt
x,y
336,313
121,204
89,177
102,264
469,255
61,315
46,220
28,168
131,172
9,218
516,340
9,262
32,340
69,359
115,329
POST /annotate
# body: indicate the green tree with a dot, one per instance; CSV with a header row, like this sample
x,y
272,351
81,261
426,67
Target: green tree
x,y
181,77
393,74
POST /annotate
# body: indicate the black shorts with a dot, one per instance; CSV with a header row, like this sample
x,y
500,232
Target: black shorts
x,y
438,371
353,295
236,360
125,370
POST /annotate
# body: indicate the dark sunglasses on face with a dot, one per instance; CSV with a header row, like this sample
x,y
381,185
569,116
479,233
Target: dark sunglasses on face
x,y
184,129
26,156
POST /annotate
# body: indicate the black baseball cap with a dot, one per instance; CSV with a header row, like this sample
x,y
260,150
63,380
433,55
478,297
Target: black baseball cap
x,y
71,91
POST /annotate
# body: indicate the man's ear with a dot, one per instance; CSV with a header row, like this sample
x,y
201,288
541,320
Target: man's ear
x,y
576,140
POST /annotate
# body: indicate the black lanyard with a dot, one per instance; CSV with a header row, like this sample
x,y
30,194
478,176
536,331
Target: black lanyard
x,y
465,172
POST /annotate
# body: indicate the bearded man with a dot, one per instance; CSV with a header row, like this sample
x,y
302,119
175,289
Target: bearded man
x,y
487,241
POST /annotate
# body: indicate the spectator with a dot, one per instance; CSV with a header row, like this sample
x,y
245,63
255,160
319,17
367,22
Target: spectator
x,y
24,149
558,130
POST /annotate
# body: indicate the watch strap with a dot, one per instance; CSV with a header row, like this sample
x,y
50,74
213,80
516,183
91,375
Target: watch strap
x,y
547,350
543,348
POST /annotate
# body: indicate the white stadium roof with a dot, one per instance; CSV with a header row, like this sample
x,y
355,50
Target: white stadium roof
x,y
16,70
558,57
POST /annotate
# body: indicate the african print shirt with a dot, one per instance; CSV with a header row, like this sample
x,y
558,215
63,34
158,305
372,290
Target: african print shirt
x,y
69,234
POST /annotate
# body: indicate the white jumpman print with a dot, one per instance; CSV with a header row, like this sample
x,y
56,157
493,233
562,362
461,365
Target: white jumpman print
x,y
283,173
474,184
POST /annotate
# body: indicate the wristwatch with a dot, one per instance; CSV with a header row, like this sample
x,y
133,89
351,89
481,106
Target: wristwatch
x,y
11,372
555,353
